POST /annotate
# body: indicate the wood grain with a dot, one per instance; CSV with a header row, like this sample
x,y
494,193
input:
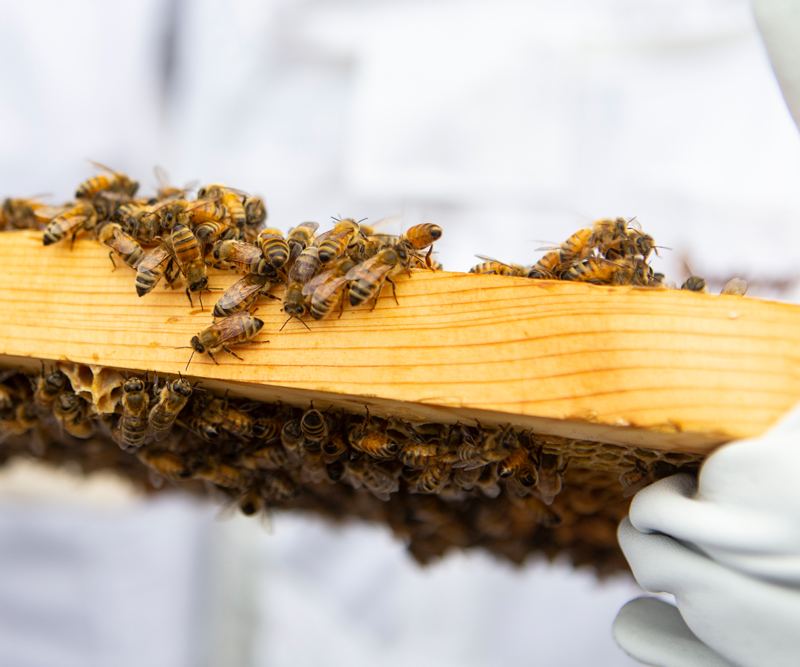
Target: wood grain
x,y
664,369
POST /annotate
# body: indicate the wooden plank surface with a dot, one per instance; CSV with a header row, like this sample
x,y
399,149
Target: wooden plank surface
x,y
665,369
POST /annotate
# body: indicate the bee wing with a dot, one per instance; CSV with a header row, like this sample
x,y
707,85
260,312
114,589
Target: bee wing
x,y
249,285
330,234
735,286
316,281
195,205
358,269
123,243
233,326
101,166
154,258
45,213
325,290
244,252
491,259
310,226
633,223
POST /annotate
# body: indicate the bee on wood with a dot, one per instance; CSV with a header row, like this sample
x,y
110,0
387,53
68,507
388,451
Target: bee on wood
x,y
132,427
273,246
735,286
323,290
549,469
367,279
608,236
121,243
292,439
172,398
242,294
489,448
267,429
81,216
111,180
492,266
547,268
167,464
300,238
303,269
230,198
49,387
694,284
255,213
211,231
420,237
150,269
244,255
234,421
332,244
314,427
139,220
362,473
518,466
372,441
171,212
419,454
235,329
182,246
597,271
21,213
199,426
71,412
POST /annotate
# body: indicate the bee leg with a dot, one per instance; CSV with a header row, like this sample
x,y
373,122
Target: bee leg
x,y
394,290
341,303
229,351
189,296
212,358
110,256
428,257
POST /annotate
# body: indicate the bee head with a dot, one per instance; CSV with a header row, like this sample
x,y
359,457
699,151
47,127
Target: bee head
x,y
182,387
68,402
134,384
56,380
197,345
526,478
199,285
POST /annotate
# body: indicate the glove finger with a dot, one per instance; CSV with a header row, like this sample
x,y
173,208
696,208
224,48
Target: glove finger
x,y
653,632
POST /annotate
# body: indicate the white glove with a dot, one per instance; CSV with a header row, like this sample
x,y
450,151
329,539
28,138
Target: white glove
x,y
728,548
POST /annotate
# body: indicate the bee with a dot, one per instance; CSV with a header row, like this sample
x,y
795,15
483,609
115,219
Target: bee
x,y
366,438
519,467
609,234
596,271
313,470
335,471
81,216
491,448
323,290
362,473
493,266
71,412
120,242
549,468
487,482
139,220
640,476
303,269
277,487
172,211
172,398
132,426
467,479
49,387
241,295
232,420
334,447
165,190
642,244
199,426
735,286
332,244
314,427
227,476
17,420
273,246
432,479
21,213
547,268
256,214
367,279
694,284
419,454
300,238
235,329
292,439
111,180
230,198
539,512
267,429
211,231
150,269
266,458
198,212
183,248
244,255
167,464
421,236
251,503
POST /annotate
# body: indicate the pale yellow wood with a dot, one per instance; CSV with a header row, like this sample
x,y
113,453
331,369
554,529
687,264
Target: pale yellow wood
x,y
666,369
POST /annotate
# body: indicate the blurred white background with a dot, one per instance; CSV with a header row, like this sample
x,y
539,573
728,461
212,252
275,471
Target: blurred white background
x,y
503,122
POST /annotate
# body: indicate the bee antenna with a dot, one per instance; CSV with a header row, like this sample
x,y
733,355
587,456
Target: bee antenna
x,y
362,220
284,324
183,347
190,361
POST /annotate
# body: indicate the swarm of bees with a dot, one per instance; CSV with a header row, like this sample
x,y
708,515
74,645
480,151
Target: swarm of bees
x,y
610,252
438,486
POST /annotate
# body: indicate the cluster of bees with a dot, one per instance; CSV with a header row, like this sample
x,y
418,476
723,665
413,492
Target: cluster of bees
x,y
438,486
610,252
226,228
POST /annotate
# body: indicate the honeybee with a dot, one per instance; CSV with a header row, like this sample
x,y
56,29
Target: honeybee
x,y
172,398
366,438
493,266
277,487
432,478
140,220
165,190
303,269
172,211
215,471
230,198
418,453
735,286
292,439
211,231
255,211
313,469
267,429
549,468
232,420
640,476
324,289
150,269
113,181
539,512
183,248
421,236
334,447
167,464
121,243
314,427
132,427
547,268
241,295
81,216
251,503
199,426
467,479
694,284
362,473
518,466
16,420
49,387
335,471
300,238
71,412
21,213
235,329
274,246
596,270
266,458
609,234
490,448
333,243
642,244
367,279
244,255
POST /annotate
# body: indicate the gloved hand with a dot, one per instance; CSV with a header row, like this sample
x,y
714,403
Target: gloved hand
x,y
728,547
